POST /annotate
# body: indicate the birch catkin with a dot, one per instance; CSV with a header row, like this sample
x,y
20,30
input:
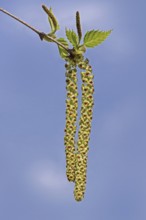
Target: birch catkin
x,y
71,119
78,25
84,130
76,150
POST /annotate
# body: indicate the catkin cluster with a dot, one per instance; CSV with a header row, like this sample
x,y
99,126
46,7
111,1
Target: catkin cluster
x,y
77,150
71,119
84,129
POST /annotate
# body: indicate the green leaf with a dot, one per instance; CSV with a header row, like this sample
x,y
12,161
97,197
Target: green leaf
x,y
62,51
49,35
93,38
52,19
72,37
51,25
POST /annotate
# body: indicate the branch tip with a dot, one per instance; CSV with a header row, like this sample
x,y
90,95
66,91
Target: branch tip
x,y
41,34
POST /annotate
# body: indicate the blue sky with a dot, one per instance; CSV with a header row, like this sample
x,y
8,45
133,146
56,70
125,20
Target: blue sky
x,y
33,182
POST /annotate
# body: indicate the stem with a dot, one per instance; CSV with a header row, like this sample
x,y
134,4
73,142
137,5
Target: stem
x,y
41,34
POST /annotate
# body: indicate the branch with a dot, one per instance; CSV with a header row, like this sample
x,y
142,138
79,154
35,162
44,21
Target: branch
x,y
41,34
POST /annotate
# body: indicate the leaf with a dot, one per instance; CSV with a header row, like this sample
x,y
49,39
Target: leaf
x,y
49,35
63,41
93,38
62,51
51,25
52,19
72,37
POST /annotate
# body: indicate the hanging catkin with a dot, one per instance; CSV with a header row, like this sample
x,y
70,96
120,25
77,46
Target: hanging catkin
x,y
84,130
71,119
76,150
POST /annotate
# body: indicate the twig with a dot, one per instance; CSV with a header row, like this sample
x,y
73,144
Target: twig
x,y
41,34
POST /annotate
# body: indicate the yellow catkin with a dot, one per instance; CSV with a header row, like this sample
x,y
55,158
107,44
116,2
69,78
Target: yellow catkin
x,y
71,118
84,130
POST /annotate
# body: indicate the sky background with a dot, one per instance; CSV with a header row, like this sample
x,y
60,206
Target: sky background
x,y
33,184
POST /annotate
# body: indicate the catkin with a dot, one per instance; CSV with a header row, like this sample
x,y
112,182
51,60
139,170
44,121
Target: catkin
x,y
78,25
71,118
84,130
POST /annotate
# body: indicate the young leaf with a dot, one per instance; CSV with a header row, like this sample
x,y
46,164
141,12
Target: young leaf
x,y
62,51
51,25
49,35
94,38
72,37
52,19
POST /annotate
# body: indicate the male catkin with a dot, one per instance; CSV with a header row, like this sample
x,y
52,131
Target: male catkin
x,y
84,130
71,119
76,150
